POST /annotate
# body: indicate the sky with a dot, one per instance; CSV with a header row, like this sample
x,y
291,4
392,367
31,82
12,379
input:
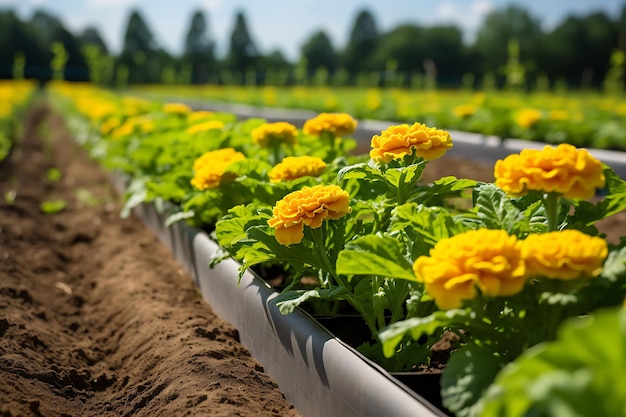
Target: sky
x,y
286,25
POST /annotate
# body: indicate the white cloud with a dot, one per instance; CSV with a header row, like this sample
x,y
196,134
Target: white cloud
x,y
109,3
468,18
212,5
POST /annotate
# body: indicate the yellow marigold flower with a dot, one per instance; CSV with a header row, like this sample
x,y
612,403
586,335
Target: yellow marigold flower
x,y
210,167
397,141
204,126
309,206
274,132
338,124
176,108
527,118
566,170
464,110
567,254
557,115
195,116
124,129
110,124
293,167
490,260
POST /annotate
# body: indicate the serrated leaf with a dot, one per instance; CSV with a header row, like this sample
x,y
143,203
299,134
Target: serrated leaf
x,y
375,255
497,211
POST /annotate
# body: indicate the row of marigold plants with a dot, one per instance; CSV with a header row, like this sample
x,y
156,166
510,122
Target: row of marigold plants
x,y
515,269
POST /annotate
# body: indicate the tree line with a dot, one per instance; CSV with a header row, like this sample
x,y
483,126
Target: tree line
x,y
510,50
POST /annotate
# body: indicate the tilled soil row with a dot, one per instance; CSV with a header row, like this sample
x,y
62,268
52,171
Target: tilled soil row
x,y
96,318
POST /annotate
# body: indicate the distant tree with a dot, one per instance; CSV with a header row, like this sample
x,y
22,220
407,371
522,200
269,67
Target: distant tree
x,y
579,49
91,36
443,45
275,67
47,26
19,40
319,53
363,40
139,53
76,65
242,53
501,26
199,53
403,46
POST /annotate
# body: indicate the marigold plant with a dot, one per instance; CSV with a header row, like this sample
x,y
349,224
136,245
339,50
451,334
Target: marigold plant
x,y
566,170
293,167
337,124
268,133
527,118
484,259
204,127
176,108
567,254
309,206
397,141
210,167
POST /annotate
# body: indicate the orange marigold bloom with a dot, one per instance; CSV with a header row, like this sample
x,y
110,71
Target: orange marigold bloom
x,y
566,170
210,167
487,259
176,108
274,132
204,126
309,206
565,255
397,141
293,167
527,118
194,116
337,124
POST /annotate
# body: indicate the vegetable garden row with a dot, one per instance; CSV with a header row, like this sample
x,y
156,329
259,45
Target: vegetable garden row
x,y
512,274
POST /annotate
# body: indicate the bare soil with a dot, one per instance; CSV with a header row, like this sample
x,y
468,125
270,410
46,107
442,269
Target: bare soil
x,y
97,319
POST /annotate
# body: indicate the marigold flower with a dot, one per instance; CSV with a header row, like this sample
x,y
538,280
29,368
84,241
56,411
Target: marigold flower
x,y
565,255
309,206
527,118
274,132
464,110
293,167
490,260
210,167
397,141
194,116
337,124
204,127
176,108
566,170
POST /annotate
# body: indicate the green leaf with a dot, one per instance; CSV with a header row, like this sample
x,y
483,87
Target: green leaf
x,y
375,255
416,327
443,188
497,211
178,216
579,374
468,373
288,301
52,206
136,194
53,174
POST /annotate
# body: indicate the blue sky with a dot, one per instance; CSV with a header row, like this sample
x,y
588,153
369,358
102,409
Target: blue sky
x,y
287,24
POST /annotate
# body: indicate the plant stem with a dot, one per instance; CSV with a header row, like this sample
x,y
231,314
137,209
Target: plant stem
x,y
551,205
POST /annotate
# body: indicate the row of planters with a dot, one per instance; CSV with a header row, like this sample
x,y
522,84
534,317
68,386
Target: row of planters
x,y
14,98
583,119
506,289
